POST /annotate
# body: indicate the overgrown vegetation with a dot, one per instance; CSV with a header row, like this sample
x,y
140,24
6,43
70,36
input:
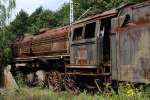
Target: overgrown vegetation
x,y
125,92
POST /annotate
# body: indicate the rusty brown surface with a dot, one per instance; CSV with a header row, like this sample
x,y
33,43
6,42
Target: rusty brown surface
x,y
47,42
131,25
53,33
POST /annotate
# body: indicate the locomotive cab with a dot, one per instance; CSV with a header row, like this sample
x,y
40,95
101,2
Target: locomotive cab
x,y
90,46
90,43
83,43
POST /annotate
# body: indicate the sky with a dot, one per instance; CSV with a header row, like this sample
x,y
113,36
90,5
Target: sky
x,y
30,5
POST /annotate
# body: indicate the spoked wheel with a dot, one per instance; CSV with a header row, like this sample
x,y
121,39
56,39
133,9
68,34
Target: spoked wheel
x,y
70,85
54,80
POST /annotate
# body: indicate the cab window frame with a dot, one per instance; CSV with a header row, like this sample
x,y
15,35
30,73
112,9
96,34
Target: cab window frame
x,y
94,33
74,38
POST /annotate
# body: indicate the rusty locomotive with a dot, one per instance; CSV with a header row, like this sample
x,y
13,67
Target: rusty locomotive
x,y
106,47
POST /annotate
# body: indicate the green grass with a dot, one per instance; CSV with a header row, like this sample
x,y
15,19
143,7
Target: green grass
x,y
126,92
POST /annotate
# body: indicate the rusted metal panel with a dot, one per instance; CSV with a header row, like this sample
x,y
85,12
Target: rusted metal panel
x,y
82,51
134,54
51,42
50,47
53,33
84,54
114,56
132,60
47,42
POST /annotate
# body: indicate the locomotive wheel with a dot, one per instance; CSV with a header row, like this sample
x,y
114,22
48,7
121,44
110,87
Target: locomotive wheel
x,y
54,80
70,85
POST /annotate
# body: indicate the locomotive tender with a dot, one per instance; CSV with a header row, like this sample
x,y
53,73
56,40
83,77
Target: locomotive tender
x,y
113,45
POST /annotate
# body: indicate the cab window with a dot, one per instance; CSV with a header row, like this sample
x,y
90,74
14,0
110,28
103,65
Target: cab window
x,y
77,34
90,30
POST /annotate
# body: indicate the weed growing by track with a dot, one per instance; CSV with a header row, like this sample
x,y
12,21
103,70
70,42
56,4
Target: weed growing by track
x,y
125,92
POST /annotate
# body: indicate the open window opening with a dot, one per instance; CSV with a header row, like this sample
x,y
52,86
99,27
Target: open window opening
x,y
77,34
126,20
105,31
90,30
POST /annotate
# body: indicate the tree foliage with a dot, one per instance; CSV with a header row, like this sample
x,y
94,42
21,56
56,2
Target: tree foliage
x,y
41,19
6,7
62,15
20,24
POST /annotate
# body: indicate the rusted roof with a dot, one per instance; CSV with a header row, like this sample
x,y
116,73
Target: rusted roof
x,y
26,39
146,3
58,32
48,33
108,13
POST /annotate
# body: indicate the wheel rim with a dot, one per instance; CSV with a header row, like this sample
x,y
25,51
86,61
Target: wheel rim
x,y
54,80
70,85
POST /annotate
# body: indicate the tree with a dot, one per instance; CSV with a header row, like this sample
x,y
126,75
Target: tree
x,y
20,24
5,12
41,19
62,15
34,16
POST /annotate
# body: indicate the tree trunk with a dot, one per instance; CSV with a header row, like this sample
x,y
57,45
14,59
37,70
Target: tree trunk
x,y
1,77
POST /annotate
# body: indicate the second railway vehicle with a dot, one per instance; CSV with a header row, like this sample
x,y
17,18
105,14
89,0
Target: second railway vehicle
x,y
106,47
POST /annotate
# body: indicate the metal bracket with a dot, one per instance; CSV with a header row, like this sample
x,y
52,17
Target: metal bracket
x,y
97,85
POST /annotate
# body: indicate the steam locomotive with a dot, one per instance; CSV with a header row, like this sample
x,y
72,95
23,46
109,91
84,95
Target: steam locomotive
x,y
104,48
